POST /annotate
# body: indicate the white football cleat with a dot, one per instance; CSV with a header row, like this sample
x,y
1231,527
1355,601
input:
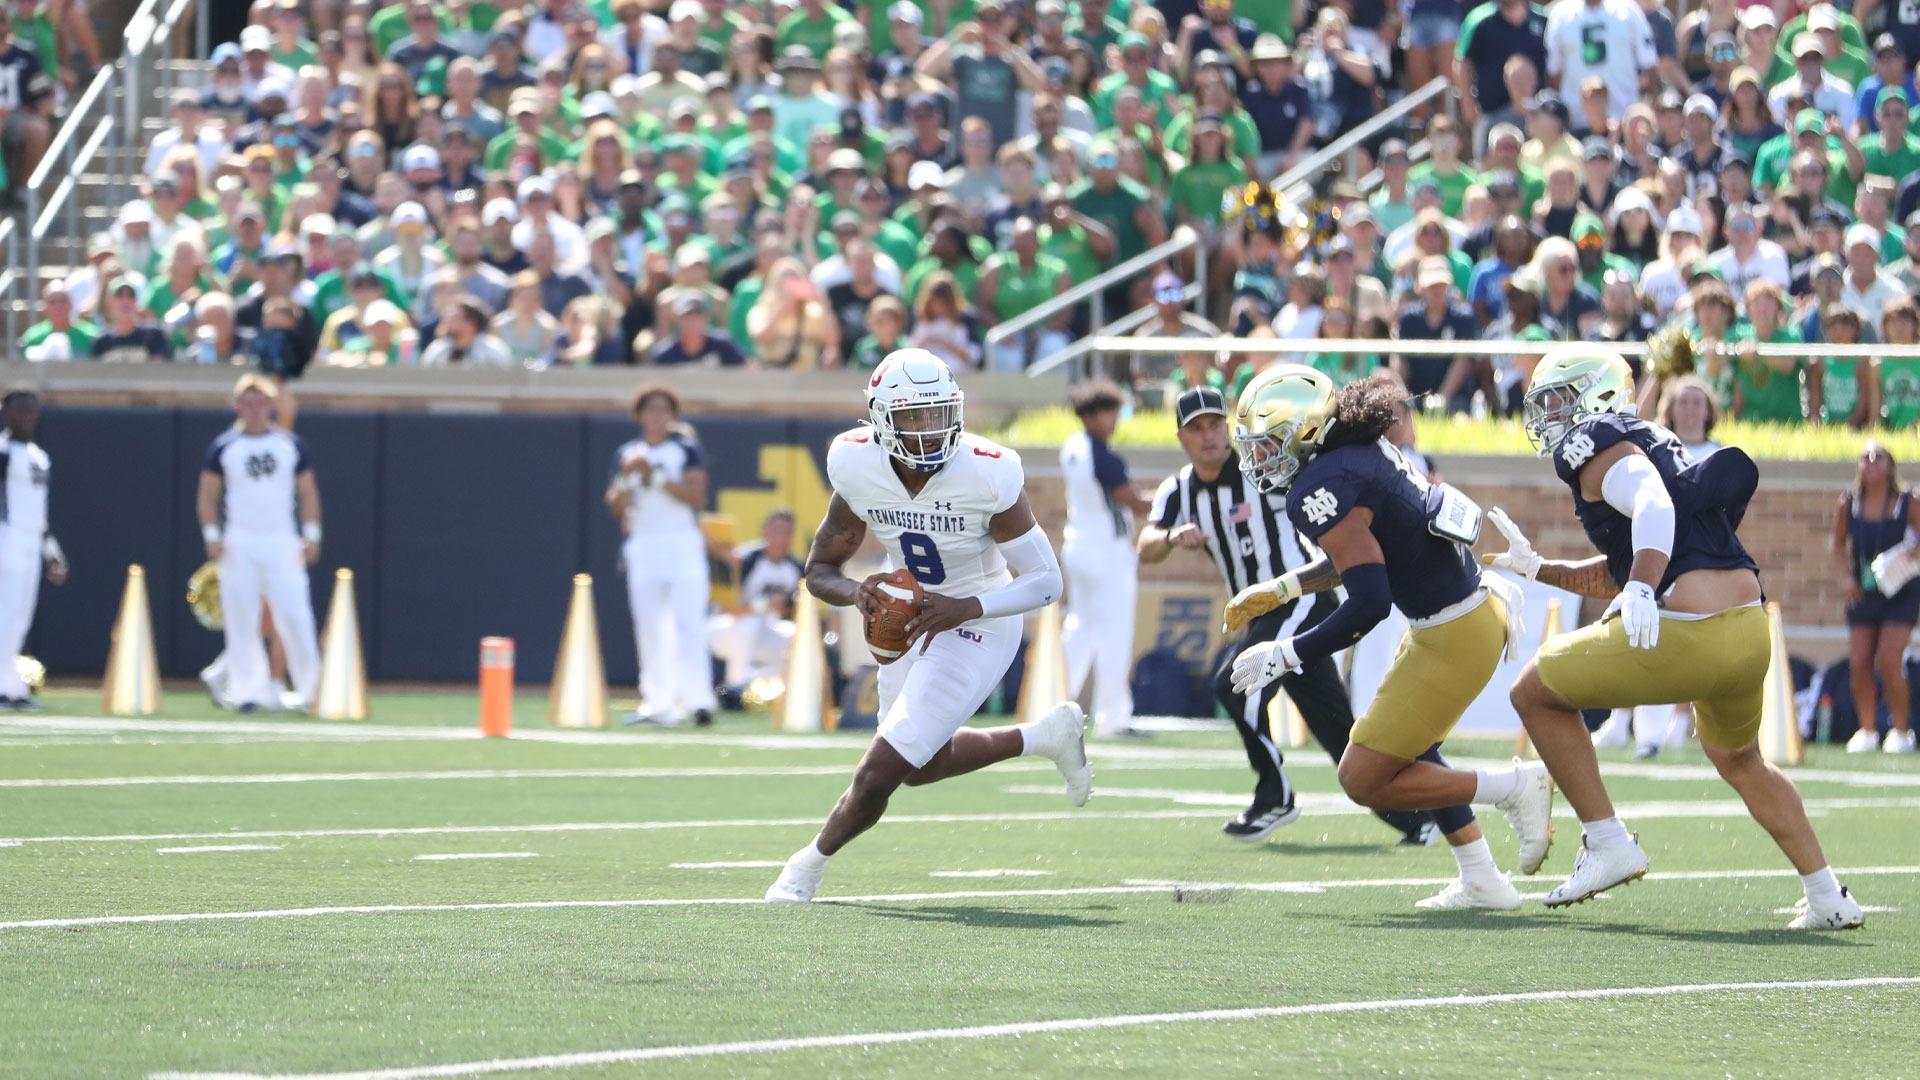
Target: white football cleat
x,y
1864,741
1530,811
1494,893
1061,737
1595,870
796,884
1899,741
1843,914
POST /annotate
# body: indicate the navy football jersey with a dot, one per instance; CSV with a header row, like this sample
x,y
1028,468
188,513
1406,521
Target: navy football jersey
x,y
1709,497
1425,572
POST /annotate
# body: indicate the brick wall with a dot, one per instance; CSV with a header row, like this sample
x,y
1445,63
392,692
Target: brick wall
x,y
1786,528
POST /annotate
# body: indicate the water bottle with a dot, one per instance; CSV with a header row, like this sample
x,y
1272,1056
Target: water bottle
x,y
1823,720
206,347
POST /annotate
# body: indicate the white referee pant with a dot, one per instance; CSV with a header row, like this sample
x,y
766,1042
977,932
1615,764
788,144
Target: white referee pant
x,y
667,590
267,567
1102,583
19,591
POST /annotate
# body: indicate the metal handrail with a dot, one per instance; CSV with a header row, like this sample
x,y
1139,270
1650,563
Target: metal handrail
x,y
1183,238
1504,347
1297,177
59,156
1122,325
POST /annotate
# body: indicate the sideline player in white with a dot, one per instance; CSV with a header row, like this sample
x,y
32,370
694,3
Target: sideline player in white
x,y
259,510
752,639
26,543
1097,552
952,508
657,491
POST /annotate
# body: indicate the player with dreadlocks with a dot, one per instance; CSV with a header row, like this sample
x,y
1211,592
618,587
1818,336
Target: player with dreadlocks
x,y
1390,538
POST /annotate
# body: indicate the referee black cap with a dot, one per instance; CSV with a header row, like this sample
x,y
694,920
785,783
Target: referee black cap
x,y
1199,401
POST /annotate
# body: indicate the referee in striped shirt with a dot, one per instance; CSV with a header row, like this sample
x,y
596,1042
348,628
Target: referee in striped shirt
x,y
1209,506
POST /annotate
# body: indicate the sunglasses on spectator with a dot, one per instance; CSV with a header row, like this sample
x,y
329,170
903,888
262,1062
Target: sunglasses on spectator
x,y
363,151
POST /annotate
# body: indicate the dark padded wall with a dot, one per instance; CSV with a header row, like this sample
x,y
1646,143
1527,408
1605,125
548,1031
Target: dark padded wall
x,y
455,527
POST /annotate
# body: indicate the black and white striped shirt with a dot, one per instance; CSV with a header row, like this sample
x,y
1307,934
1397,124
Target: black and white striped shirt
x,y
1247,532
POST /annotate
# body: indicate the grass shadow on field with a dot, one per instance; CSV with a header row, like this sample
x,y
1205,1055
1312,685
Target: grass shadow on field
x,y
1543,920
1310,847
991,918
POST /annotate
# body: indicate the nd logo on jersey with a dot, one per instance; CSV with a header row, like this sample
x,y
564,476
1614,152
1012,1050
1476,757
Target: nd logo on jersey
x,y
260,466
1320,506
1578,448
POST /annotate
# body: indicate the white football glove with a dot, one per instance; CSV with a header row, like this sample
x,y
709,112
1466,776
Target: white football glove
x,y
1260,664
1519,558
1639,614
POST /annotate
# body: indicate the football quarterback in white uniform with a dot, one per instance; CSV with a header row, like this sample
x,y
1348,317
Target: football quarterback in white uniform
x,y
952,509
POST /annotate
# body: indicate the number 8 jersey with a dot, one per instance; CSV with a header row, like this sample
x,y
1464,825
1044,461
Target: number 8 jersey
x,y
942,534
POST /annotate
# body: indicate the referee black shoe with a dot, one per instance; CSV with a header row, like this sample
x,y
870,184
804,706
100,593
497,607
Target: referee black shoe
x,y
1258,821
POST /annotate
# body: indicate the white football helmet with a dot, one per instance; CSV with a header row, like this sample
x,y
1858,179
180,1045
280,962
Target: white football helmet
x,y
915,407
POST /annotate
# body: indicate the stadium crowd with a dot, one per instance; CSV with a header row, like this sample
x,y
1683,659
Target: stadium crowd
x,y
801,184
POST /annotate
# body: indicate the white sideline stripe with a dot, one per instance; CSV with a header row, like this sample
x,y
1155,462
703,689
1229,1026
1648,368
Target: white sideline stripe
x,y
412,776
463,856
988,873
738,864
215,847
1145,888
1321,803
619,826
1044,1027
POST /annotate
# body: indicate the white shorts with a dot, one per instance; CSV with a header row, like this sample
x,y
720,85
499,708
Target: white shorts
x,y
925,699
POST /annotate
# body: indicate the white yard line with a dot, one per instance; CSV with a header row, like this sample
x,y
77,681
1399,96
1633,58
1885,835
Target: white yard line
x,y
988,873
421,775
1047,1027
737,864
467,856
1140,888
206,848
617,826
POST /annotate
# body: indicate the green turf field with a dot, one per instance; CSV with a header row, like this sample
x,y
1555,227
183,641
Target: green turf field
x,y
987,929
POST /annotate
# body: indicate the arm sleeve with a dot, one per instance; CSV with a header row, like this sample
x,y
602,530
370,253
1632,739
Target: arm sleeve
x,y
696,457
1166,508
212,462
1633,487
1369,599
1038,581
1108,469
301,462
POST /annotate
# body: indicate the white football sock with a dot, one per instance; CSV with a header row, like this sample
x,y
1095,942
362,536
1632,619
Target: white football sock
x,y
1606,832
809,857
1027,735
1475,859
1821,885
1495,785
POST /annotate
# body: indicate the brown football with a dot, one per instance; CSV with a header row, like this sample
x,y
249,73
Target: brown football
x,y
887,627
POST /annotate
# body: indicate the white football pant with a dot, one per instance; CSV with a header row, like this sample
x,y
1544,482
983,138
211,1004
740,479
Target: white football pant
x,y
20,568
1097,634
667,590
269,568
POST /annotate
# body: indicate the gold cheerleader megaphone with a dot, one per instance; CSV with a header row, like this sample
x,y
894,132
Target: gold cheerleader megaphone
x,y
203,596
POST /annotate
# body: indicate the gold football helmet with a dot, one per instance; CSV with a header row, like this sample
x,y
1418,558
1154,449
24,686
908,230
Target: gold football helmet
x,y
1570,384
1281,419
203,596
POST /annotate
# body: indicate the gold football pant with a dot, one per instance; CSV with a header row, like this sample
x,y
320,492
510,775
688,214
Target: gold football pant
x,y
1436,674
1718,663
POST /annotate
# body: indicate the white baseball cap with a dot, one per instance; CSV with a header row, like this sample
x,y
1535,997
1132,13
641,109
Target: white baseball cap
x,y
685,9
1684,219
256,37
418,156
1861,233
535,185
926,174
906,11
499,210
409,213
